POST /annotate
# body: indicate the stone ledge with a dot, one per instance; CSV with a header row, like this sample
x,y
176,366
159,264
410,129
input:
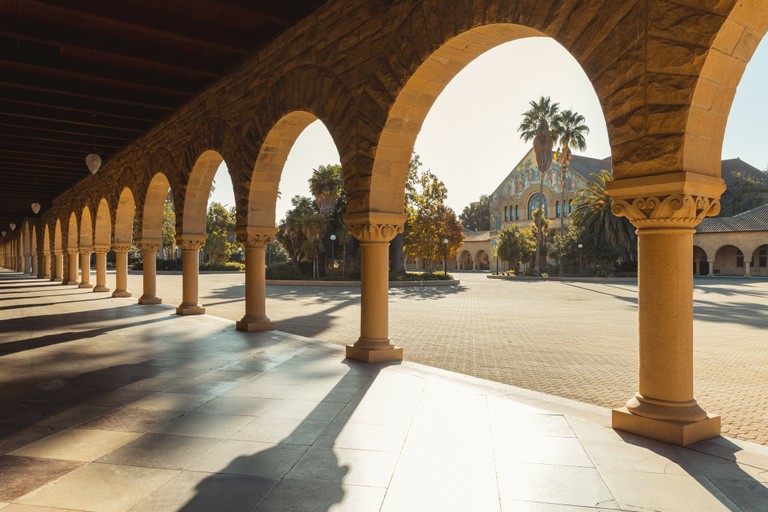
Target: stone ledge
x,y
674,432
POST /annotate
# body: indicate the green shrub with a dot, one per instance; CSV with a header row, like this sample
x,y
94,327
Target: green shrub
x,y
413,276
230,266
284,271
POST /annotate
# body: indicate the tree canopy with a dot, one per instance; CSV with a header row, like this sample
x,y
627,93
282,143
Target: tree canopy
x,y
477,216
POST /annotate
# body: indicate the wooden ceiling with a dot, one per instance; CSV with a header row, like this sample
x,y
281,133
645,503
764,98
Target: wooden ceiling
x,y
79,74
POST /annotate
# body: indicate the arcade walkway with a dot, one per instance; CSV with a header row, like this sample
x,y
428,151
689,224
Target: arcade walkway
x,y
111,406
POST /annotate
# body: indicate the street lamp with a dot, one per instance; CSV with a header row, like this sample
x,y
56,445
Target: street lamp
x,y
445,257
493,244
333,260
580,270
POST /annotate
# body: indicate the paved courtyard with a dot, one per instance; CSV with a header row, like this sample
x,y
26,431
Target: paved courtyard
x,y
576,340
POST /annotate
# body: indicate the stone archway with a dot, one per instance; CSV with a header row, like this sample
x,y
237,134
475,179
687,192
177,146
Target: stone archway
x,y
729,261
700,262
465,260
101,244
122,240
482,260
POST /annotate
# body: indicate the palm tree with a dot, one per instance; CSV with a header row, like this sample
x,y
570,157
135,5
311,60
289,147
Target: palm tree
x,y
326,184
537,125
570,131
592,212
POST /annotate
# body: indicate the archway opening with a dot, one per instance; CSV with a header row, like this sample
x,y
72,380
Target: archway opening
x,y
729,261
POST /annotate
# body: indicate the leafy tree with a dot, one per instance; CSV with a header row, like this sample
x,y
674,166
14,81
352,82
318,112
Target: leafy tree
x,y
541,222
742,193
169,227
219,225
276,253
477,216
396,247
537,126
313,226
592,213
430,221
291,229
565,245
515,245
327,186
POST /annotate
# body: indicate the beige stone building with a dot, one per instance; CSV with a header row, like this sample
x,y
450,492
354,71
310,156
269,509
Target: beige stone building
x,y
732,246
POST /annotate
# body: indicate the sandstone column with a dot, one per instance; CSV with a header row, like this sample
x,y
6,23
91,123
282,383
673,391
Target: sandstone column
x,y
46,265
374,231
58,266
121,269
190,246
101,268
36,266
711,268
255,240
85,267
72,268
666,209
28,264
149,248
747,272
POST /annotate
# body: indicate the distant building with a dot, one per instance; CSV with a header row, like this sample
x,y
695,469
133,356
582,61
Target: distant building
x,y
732,246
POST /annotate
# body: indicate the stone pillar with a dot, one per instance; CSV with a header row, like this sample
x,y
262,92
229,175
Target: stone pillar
x,y
85,267
747,272
190,246
711,268
36,266
58,266
374,231
28,264
149,248
255,241
121,269
72,267
666,209
101,268
46,266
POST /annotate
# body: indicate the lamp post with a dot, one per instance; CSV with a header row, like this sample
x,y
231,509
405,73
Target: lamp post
x,y
445,256
580,270
333,260
493,244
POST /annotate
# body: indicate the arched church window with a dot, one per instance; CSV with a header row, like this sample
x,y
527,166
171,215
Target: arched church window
x,y
534,203
517,212
557,209
506,214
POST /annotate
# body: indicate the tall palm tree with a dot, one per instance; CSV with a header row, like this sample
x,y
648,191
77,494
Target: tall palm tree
x,y
592,212
326,185
570,131
537,126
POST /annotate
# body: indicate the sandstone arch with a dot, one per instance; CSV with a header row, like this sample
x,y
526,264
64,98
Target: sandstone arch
x,y
103,225
123,226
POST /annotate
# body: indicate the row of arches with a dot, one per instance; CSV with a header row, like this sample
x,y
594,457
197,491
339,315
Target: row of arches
x,y
665,98
730,260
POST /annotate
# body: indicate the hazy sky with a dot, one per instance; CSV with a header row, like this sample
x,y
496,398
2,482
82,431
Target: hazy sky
x,y
470,141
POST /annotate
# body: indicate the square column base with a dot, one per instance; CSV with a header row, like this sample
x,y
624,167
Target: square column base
x,y
190,310
367,355
251,326
101,289
673,432
67,282
123,293
85,285
150,300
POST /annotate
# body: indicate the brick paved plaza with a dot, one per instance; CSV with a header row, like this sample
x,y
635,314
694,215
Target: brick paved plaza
x,y
572,339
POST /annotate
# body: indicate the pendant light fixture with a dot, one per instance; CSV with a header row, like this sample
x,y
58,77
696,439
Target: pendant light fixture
x,y
12,225
4,232
35,206
93,160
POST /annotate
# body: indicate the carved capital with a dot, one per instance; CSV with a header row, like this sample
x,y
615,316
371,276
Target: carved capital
x,y
121,247
190,242
86,250
101,249
149,244
73,252
58,252
672,200
255,236
674,211
374,227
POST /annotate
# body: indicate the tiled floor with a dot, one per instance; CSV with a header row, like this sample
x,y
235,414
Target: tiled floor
x,y
111,406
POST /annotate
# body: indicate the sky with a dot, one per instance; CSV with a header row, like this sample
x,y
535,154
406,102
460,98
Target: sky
x,y
469,138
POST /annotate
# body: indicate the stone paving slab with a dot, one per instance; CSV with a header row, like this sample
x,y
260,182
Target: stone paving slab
x,y
575,339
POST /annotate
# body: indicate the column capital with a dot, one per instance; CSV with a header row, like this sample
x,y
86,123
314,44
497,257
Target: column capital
x,y
121,246
149,244
190,242
101,249
73,251
255,236
58,252
672,200
86,250
373,227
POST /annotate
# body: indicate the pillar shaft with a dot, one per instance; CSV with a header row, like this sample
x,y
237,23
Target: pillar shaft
x,y
101,269
255,241
190,246
72,269
46,265
664,407
58,266
149,250
374,231
85,268
121,270
747,272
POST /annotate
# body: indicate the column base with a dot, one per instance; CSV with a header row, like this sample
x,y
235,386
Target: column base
x,y
251,324
150,299
102,289
370,355
122,293
673,432
190,309
67,282
85,285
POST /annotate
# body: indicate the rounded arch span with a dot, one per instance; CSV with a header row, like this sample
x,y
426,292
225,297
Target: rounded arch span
x,y
197,191
265,179
72,232
86,228
126,207
57,237
154,203
103,224
715,89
